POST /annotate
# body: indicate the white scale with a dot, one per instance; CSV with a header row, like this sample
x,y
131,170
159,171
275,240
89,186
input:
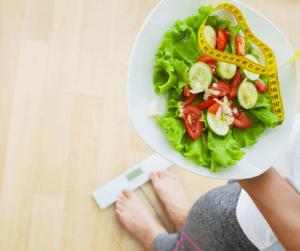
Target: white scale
x,y
133,178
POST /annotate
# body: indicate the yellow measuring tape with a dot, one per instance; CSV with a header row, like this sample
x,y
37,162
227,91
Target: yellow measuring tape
x,y
270,61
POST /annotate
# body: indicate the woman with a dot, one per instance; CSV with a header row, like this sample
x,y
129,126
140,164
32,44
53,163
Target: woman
x,y
261,213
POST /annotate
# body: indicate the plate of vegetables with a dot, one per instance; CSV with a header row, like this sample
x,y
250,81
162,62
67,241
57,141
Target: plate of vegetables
x,y
209,117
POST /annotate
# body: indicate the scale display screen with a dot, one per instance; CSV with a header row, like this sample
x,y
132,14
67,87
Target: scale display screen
x,y
134,174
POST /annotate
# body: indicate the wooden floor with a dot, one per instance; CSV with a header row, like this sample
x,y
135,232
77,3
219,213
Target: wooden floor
x,y
64,123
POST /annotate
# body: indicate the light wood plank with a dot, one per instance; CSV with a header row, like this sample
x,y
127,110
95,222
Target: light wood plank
x,y
65,44
92,66
54,135
46,223
80,210
23,142
12,14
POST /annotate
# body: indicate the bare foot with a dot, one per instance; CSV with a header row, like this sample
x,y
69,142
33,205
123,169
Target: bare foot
x,y
169,189
133,214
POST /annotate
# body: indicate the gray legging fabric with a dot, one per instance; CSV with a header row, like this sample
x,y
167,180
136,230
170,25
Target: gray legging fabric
x,y
211,224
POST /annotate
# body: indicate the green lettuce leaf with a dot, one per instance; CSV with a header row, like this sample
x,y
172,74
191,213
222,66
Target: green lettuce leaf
x,y
224,151
266,116
228,49
187,51
247,136
172,104
181,70
196,151
170,73
249,47
164,77
264,78
204,12
264,100
216,22
174,128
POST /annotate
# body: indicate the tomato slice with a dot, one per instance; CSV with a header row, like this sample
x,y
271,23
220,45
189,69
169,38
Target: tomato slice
x,y
186,91
241,120
227,35
206,104
222,87
221,40
214,108
192,109
191,121
207,59
260,86
240,45
235,83
190,99
213,69
193,131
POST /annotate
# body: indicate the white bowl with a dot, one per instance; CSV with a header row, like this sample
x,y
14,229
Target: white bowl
x,y
259,157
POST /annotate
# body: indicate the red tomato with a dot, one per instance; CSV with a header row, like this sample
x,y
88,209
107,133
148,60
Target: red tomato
x,y
186,91
190,99
227,35
192,109
222,87
207,59
214,108
240,45
191,121
235,83
221,40
213,69
206,104
211,62
260,86
241,120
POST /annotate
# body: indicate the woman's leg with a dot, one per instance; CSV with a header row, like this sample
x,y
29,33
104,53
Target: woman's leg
x,y
211,224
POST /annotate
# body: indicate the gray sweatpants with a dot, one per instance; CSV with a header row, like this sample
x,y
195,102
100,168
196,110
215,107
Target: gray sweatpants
x,y
211,224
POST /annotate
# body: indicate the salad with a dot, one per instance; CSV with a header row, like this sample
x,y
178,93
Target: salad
x,y
214,108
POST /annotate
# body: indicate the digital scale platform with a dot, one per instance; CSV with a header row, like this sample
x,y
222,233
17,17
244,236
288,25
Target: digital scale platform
x,y
133,178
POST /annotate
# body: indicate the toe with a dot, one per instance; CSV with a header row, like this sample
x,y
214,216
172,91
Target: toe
x,y
154,176
127,192
121,200
172,175
121,197
118,211
160,173
168,173
119,206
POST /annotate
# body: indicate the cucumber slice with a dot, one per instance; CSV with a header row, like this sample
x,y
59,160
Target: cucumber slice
x,y
247,74
219,127
247,95
210,36
225,70
200,72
